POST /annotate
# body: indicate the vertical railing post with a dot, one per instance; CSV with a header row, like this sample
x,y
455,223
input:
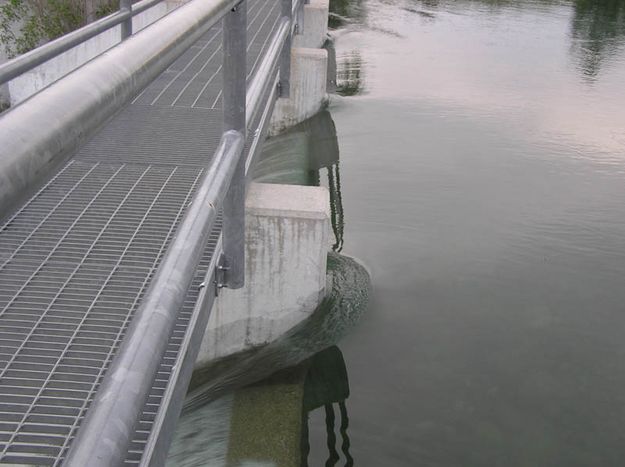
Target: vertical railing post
x,y
285,57
300,16
126,6
234,76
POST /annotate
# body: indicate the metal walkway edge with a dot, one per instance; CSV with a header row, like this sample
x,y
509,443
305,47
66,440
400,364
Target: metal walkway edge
x,y
76,259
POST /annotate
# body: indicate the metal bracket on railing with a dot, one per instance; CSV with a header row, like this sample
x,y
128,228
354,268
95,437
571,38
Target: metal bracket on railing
x,y
220,274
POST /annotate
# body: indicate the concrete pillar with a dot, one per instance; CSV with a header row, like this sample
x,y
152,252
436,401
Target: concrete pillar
x,y
308,89
285,270
315,27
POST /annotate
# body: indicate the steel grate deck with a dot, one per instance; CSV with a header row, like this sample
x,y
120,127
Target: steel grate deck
x,y
77,258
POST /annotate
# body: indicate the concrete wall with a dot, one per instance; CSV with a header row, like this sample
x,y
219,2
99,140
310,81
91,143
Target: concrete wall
x,y
29,83
315,27
287,235
308,89
309,66
287,231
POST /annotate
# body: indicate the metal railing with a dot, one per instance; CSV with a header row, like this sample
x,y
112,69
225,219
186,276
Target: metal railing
x,y
26,62
81,103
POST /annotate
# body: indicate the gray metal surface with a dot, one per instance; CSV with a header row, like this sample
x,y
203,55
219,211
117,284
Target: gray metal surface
x,y
125,6
234,111
75,260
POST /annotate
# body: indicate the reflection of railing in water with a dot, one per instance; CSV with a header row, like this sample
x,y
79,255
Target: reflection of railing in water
x,y
336,206
327,384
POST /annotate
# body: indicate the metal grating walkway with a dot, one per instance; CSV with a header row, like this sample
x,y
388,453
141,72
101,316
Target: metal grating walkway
x,y
77,258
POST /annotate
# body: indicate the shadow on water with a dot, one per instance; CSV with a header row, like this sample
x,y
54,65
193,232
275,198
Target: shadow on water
x,y
597,32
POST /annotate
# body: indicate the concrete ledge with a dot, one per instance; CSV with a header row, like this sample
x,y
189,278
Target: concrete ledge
x,y
286,242
308,89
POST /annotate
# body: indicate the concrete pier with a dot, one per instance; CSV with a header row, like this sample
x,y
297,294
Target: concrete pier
x,y
315,28
286,239
308,89
288,227
309,67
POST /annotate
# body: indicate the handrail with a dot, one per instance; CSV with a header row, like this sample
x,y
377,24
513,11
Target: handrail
x,y
104,436
263,76
26,62
56,121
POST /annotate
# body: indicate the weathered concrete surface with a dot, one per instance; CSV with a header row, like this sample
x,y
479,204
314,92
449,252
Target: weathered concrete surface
x,y
286,252
315,28
308,89
24,86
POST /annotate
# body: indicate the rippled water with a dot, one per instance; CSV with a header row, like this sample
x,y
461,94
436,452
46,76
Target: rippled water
x,y
482,154
476,160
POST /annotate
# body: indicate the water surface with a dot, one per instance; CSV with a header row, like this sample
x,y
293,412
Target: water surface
x,y
482,157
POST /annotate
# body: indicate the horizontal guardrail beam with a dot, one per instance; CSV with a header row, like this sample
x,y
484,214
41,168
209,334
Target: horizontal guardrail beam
x,y
263,77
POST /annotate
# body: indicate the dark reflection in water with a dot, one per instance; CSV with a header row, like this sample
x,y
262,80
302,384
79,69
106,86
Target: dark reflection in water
x,y
327,385
598,31
305,155
597,28
343,12
350,76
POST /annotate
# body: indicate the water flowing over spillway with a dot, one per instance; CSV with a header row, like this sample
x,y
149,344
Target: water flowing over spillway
x,y
203,429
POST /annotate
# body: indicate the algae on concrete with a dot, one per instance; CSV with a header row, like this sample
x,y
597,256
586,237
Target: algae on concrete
x,y
266,421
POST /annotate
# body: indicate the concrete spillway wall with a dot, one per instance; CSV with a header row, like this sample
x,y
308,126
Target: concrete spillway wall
x,y
288,227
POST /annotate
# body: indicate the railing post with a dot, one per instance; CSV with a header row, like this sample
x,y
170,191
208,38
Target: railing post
x,y
234,76
285,57
126,5
300,16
